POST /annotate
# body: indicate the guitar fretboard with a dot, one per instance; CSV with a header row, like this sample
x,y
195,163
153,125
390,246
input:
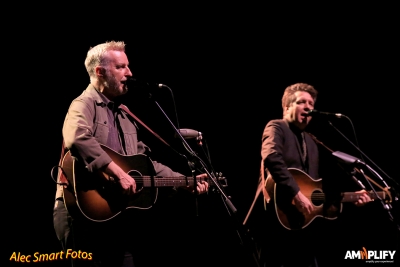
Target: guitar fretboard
x,y
148,181
353,197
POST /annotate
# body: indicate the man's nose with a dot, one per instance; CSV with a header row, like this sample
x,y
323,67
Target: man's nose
x,y
128,73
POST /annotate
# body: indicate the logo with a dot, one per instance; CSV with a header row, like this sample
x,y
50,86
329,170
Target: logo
x,y
371,256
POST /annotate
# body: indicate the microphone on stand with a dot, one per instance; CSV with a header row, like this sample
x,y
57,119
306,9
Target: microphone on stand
x,y
346,158
315,112
190,134
139,83
146,89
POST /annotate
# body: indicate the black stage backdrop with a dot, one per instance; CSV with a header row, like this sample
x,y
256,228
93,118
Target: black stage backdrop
x,y
225,73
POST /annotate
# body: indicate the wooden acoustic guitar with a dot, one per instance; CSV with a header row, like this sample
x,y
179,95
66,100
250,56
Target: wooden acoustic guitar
x,y
292,219
99,198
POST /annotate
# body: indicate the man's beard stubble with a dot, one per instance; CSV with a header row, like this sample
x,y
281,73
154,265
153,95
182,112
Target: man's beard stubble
x,y
113,84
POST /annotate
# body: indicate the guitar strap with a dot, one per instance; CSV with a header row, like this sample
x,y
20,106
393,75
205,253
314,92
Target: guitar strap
x,y
263,184
261,188
62,179
125,108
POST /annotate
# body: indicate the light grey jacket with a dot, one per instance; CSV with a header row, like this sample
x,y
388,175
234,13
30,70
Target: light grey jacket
x,y
86,127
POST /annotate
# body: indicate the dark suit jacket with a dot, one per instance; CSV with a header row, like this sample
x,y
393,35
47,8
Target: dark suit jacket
x,y
281,150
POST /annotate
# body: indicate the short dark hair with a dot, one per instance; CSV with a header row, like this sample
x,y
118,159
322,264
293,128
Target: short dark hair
x,y
288,96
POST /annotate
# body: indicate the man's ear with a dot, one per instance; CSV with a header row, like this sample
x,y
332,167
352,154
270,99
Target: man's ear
x,y
286,110
100,71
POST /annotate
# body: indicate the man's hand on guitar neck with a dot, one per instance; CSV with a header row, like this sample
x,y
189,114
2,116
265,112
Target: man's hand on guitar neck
x,y
363,198
126,181
202,185
302,203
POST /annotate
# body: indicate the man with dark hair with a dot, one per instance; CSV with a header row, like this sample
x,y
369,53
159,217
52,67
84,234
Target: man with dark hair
x,y
287,147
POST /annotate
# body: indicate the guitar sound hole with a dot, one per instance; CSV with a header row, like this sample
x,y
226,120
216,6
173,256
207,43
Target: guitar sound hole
x,y
138,179
317,197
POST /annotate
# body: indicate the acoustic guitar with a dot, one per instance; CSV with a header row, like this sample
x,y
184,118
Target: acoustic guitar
x,y
99,198
292,219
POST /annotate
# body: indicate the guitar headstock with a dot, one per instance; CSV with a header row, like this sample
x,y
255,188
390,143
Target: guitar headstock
x,y
221,179
385,195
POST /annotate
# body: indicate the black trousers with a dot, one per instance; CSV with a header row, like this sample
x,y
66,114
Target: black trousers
x,y
280,247
88,243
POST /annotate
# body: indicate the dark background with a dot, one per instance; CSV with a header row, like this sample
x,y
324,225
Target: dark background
x,y
226,68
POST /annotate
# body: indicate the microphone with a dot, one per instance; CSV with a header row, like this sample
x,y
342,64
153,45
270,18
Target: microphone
x,y
346,158
139,83
189,134
314,112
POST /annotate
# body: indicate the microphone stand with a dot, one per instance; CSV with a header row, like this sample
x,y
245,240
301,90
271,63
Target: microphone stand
x,y
359,150
197,160
350,159
247,243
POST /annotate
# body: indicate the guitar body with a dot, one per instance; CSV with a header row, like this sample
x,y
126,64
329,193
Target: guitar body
x,y
97,197
292,219
286,211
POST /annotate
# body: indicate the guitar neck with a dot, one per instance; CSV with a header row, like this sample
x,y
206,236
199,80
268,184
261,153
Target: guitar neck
x,y
353,197
149,181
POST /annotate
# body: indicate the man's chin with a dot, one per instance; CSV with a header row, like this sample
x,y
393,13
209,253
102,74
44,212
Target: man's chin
x,y
302,124
125,91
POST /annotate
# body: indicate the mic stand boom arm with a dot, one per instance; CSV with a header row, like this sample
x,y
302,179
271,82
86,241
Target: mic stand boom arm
x,y
199,161
246,241
351,159
362,153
